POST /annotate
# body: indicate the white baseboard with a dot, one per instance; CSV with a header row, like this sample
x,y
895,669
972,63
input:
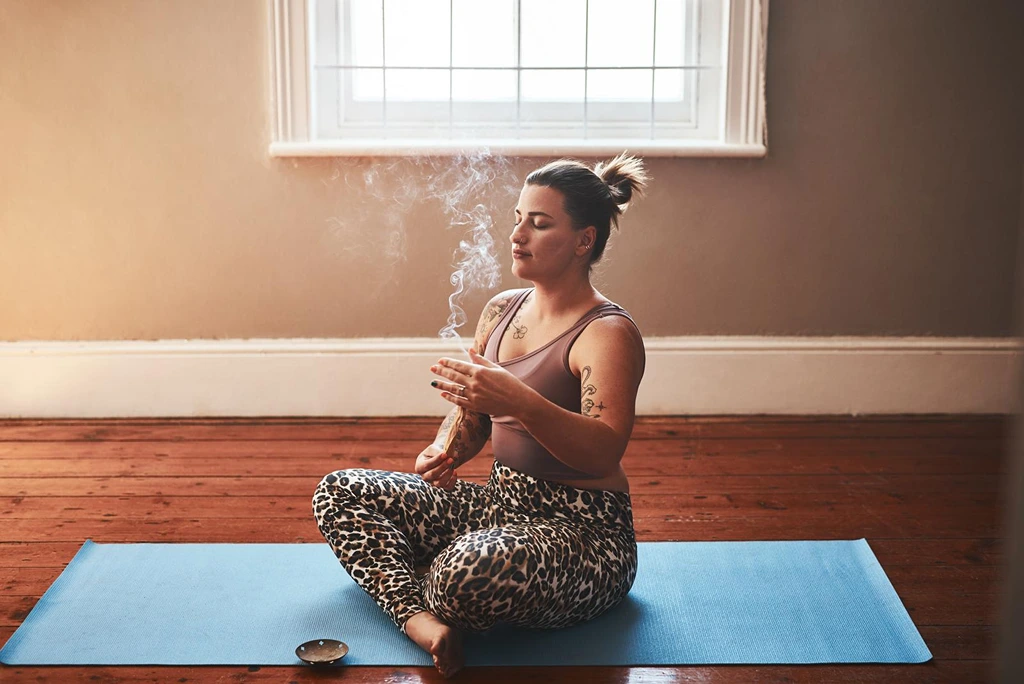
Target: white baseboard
x,y
391,377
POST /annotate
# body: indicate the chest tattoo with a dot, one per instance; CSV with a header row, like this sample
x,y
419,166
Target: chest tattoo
x,y
517,321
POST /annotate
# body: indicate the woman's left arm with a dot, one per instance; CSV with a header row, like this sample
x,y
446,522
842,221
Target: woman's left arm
x,y
609,355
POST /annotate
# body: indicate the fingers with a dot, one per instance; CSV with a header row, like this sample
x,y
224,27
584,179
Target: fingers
x,y
456,399
448,479
435,473
448,386
426,460
437,469
479,359
453,369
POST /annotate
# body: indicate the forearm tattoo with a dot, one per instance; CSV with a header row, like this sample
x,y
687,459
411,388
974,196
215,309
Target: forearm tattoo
x,y
442,432
471,434
474,429
587,390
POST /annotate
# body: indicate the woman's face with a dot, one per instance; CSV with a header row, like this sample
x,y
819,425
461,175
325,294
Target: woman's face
x,y
544,243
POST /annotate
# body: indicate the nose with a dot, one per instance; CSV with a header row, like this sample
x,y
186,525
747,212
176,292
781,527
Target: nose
x,y
517,236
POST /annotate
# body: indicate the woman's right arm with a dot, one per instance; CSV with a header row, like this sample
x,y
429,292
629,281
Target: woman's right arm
x,y
472,432
469,430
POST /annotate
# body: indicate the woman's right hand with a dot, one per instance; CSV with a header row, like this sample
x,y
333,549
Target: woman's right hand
x,y
436,467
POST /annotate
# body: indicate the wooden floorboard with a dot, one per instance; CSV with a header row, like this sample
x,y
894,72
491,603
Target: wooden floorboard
x,y
925,491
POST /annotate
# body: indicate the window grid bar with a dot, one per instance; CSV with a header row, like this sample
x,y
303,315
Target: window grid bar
x,y
519,64
341,94
586,72
288,82
691,67
692,48
384,65
696,87
654,61
451,64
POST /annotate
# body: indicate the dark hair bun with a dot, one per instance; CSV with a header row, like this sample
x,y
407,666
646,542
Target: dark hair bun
x,y
625,176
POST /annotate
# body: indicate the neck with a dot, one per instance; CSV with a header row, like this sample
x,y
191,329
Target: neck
x,y
555,299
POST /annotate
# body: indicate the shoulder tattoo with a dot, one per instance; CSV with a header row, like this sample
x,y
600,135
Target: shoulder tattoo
x,y
492,314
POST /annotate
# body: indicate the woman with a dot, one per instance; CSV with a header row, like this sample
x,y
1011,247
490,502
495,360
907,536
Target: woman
x,y
549,541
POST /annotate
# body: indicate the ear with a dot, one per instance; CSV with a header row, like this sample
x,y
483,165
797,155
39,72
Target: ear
x,y
585,240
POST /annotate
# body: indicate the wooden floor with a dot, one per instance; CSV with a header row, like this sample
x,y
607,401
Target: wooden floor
x,y
924,491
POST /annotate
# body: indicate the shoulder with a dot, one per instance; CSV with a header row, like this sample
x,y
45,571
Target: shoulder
x,y
612,329
492,311
609,337
502,299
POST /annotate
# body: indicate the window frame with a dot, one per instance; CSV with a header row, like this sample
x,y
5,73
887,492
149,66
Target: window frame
x,y
743,129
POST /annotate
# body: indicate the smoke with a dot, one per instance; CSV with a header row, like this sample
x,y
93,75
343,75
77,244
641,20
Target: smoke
x,y
380,196
475,261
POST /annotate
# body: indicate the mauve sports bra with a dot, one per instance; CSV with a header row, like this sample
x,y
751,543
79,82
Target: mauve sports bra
x,y
546,370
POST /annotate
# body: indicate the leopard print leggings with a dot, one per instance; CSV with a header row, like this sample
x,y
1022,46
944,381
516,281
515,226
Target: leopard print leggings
x,y
518,550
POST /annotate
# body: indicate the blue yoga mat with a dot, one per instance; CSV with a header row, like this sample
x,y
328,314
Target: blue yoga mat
x,y
252,604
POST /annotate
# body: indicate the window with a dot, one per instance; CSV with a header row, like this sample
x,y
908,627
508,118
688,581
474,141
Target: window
x,y
670,77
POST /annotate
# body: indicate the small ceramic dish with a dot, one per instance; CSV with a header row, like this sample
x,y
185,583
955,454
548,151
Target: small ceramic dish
x,y
322,651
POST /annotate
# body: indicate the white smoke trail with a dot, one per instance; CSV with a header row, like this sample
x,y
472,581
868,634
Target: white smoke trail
x,y
383,193
477,263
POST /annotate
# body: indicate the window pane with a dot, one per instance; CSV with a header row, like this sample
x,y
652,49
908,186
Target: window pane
x,y
417,33
364,102
674,100
423,85
484,33
553,85
619,85
365,36
672,33
367,84
621,34
669,84
484,85
553,32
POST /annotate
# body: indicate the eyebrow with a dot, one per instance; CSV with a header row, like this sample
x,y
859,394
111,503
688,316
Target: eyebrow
x,y
536,213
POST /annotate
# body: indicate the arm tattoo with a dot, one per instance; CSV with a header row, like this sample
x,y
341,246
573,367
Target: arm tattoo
x,y
493,312
588,404
467,443
471,434
443,430
473,429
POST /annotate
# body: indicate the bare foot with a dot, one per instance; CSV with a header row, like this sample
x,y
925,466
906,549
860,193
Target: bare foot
x,y
439,640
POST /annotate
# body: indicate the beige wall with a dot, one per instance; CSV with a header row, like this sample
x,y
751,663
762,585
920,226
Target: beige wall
x,y
137,200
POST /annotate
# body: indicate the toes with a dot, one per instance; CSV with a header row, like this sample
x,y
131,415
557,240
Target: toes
x,y
440,647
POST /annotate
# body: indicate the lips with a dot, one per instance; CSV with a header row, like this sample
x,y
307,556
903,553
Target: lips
x,y
518,253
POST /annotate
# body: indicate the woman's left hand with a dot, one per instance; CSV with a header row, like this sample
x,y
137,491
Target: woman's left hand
x,y
481,386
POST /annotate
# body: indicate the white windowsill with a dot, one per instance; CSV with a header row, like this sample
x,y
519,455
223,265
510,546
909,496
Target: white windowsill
x,y
531,148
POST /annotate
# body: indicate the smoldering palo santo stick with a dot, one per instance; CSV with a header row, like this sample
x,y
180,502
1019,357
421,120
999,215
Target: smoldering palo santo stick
x,y
453,431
